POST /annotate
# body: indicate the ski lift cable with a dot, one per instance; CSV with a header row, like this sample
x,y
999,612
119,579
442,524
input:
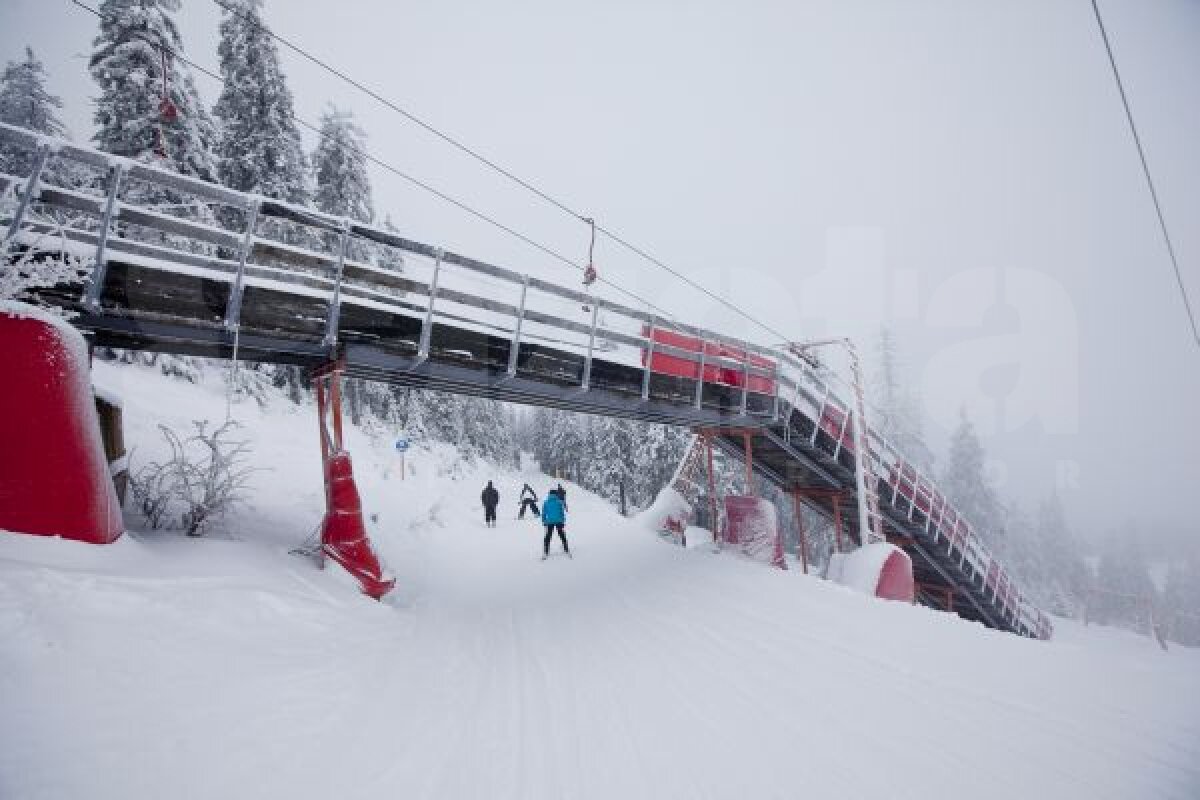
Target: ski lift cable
x,y
413,180
544,195
1137,140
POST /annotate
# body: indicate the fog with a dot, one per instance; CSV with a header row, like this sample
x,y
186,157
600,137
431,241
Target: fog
x,y
961,172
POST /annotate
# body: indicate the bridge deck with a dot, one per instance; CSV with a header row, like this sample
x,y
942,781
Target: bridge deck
x,y
162,280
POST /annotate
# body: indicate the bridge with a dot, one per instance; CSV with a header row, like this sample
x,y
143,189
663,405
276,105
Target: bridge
x,y
174,264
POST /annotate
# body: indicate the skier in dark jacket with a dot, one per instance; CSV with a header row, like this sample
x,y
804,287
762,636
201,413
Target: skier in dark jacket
x,y
528,502
491,499
554,517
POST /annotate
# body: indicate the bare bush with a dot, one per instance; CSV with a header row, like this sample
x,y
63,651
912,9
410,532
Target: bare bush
x,y
204,478
150,488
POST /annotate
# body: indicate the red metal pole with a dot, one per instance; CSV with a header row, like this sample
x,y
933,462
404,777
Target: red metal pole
x,y
837,520
802,544
335,391
749,462
712,488
320,386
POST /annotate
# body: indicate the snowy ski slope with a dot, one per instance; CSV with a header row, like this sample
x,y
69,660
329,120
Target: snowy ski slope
x,y
224,667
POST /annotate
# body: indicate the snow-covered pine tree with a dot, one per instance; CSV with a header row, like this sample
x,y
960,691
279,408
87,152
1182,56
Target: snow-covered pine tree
x,y
1023,559
487,430
25,101
259,149
1064,574
965,483
389,257
136,38
606,462
1181,600
339,166
1124,591
895,408
343,188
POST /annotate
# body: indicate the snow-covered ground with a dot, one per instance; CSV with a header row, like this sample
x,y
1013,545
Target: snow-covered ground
x,y
224,667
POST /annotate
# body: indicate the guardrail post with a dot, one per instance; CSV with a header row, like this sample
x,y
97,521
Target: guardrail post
x,y
745,378
31,189
939,510
515,347
912,502
775,391
812,440
649,358
233,309
587,362
837,450
427,323
95,286
335,302
700,373
787,420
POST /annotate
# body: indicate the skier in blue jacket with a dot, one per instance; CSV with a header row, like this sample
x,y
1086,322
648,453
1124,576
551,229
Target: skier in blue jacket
x,y
554,517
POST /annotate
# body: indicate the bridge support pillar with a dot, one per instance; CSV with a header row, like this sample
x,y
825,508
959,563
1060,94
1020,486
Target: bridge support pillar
x,y
343,532
837,522
801,537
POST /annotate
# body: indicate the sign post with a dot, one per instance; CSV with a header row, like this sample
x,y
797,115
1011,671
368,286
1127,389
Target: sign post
x,y
401,448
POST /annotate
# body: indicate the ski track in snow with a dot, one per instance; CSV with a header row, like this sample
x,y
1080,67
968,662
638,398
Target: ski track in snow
x,y
163,666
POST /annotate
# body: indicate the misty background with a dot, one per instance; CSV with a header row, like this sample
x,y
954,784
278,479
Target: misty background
x,y
960,172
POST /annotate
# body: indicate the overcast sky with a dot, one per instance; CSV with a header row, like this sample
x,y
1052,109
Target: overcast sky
x,y
958,170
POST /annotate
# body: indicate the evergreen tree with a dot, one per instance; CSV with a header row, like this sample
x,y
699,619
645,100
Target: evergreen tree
x,y
1181,600
895,409
259,150
389,257
343,189
1063,579
25,101
966,485
339,164
1124,591
137,39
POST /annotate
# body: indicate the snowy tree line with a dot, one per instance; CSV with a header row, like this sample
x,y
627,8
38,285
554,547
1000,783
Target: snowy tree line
x,y
148,109
1107,580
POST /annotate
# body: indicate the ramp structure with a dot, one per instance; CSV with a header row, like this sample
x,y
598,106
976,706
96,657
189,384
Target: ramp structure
x,y
219,273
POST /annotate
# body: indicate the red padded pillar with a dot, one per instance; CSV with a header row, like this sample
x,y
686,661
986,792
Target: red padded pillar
x,y
752,525
896,578
54,477
343,534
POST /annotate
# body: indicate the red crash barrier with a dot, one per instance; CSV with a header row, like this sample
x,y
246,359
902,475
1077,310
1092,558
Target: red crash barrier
x,y
667,364
881,569
343,534
896,578
753,528
54,478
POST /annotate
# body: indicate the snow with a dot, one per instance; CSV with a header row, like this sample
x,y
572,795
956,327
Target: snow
x,y
669,503
224,667
71,337
111,398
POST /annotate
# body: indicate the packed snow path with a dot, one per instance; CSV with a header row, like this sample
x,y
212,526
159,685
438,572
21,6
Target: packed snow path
x,y
162,666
